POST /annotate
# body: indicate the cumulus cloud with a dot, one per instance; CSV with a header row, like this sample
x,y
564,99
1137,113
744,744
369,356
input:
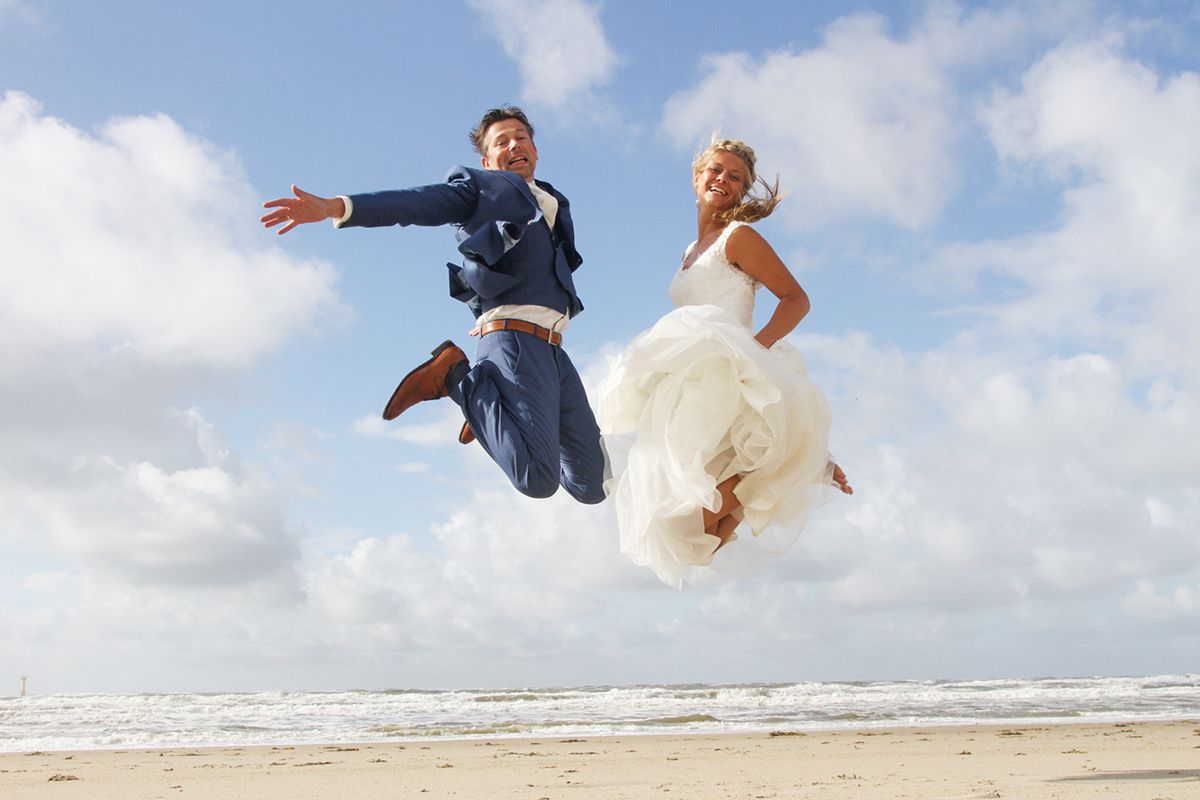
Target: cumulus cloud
x,y
18,10
441,431
1119,272
528,585
131,284
865,125
1019,482
1037,457
507,575
559,46
1177,603
1028,480
210,523
136,239
1040,460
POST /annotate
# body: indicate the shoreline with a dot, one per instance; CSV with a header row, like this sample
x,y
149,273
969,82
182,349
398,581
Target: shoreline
x,y
867,728
1140,760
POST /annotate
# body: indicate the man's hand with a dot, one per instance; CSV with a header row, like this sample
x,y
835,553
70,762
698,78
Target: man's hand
x,y
304,207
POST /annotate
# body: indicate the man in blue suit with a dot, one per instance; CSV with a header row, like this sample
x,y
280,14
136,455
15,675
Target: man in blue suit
x,y
523,398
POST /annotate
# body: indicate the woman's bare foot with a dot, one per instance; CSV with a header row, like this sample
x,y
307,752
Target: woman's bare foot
x,y
840,480
725,530
729,504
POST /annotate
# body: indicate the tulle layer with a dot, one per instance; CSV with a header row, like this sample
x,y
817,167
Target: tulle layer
x,y
691,402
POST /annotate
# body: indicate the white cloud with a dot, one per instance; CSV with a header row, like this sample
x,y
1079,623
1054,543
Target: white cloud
x,y
1039,464
867,124
521,583
20,10
1107,431
1029,481
139,240
862,124
1045,462
993,494
1119,271
1039,461
211,523
1042,484
134,279
988,488
200,524
507,575
559,46
441,430
1180,602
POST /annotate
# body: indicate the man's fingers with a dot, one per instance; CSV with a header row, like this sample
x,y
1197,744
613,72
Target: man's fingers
x,y
292,210
274,218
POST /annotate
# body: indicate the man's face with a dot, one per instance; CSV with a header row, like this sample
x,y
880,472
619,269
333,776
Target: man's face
x,y
508,145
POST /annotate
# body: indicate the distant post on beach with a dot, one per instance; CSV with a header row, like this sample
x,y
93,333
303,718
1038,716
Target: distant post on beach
x,y
24,681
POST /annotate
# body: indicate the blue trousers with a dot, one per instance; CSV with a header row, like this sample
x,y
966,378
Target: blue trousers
x,y
526,405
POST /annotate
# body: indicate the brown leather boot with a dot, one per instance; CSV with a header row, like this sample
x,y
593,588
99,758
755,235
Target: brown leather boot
x,y
465,434
426,382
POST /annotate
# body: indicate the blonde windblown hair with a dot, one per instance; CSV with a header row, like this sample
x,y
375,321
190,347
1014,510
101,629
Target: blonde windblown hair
x,y
751,207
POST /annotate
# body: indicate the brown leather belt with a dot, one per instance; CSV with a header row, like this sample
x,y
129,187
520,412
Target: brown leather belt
x,y
520,326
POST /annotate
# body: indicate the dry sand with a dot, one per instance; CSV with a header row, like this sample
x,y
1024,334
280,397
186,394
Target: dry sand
x,y
1142,761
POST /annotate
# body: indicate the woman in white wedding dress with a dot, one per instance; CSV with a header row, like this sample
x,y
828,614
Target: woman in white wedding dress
x,y
707,423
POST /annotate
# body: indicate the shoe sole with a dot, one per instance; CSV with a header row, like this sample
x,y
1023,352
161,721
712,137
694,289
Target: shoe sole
x,y
465,434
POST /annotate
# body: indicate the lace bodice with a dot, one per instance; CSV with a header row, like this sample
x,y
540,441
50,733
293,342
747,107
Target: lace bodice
x,y
712,280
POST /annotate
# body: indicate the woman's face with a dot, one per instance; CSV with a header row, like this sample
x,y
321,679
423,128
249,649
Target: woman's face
x,y
721,182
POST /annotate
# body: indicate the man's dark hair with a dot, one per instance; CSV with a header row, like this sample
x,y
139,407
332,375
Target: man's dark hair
x,y
493,116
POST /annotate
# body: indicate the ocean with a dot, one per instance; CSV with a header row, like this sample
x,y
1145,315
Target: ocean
x,y
122,721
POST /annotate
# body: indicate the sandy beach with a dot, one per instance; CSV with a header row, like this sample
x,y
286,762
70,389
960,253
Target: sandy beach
x,y
1136,761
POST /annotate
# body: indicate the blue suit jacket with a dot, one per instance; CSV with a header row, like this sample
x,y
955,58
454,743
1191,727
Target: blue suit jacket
x,y
509,254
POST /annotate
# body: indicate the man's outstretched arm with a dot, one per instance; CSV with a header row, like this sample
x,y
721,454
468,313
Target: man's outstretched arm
x,y
435,204
304,207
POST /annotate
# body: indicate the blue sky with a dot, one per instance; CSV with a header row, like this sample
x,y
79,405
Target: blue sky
x,y
994,208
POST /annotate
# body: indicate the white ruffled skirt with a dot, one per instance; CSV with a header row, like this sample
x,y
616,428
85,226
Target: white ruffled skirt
x,y
691,402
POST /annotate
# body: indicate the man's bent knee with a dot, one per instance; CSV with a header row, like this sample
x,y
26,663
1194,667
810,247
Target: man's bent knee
x,y
589,495
536,483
